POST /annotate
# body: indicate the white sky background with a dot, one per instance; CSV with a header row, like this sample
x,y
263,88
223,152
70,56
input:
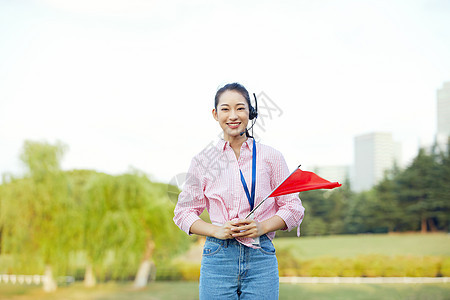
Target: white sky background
x,y
131,82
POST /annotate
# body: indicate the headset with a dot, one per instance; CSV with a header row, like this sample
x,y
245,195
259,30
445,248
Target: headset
x,y
253,112
253,115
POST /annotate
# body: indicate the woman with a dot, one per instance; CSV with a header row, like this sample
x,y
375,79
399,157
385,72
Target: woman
x,y
220,180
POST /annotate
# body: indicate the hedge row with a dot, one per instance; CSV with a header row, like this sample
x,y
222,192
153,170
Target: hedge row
x,y
178,271
374,265
360,266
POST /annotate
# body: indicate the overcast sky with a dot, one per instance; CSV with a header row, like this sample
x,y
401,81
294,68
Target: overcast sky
x,y
130,83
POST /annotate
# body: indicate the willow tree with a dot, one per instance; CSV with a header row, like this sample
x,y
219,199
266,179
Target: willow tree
x,y
78,179
15,221
129,217
36,211
162,238
110,228
104,224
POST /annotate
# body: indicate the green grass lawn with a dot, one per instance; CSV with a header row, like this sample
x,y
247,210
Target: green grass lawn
x,y
347,246
189,290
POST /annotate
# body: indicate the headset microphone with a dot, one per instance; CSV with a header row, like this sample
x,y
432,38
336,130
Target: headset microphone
x,y
246,129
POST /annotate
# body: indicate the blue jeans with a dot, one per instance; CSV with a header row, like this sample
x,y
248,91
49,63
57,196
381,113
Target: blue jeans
x,y
231,270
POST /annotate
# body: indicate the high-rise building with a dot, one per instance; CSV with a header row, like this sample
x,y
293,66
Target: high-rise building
x,y
375,153
443,115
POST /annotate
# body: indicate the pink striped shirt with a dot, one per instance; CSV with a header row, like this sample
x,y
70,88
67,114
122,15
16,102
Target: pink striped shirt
x,y
214,183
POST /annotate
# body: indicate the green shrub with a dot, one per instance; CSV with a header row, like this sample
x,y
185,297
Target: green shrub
x,y
395,268
178,270
365,266
445,267
289,272
325,267
374,265
166,272
6,264
426,266
359,266
189,271
287,263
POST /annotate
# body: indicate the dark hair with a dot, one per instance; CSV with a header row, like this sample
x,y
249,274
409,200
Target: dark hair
x,y
232,87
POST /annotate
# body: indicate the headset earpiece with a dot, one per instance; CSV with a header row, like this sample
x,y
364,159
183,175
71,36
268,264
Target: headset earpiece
x,y
253,113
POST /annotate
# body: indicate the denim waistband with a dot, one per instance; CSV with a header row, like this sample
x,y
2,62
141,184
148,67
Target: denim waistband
x,y
225,243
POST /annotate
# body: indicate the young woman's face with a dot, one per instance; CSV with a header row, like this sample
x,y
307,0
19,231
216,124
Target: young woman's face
x,y
232,113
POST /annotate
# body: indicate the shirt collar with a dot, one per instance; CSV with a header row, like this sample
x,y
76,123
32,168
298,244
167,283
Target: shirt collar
x,y
222,144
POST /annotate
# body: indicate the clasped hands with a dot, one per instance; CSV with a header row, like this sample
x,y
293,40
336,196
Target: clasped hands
x,y
247,228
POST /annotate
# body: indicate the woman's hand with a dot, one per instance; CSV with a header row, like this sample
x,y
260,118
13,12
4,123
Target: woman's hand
x,y
237,228
225,231
247,228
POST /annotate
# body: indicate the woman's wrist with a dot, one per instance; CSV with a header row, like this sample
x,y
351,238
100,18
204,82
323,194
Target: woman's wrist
x,y
263,228
201,227
272,224
214,231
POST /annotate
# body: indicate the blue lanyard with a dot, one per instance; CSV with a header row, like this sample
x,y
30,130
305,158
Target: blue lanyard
x,y
251,199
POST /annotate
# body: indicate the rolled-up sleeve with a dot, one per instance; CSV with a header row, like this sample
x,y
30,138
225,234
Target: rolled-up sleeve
x,y
191,201
290,207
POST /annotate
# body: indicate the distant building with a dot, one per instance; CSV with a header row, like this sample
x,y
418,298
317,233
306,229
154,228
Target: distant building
x,y
375,153
443,115
333,173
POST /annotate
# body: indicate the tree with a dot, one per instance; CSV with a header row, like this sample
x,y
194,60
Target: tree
x,y
417,183
120,223
36,210
441,190
339,199
358,218
78,180
129,217
105,224
325,210
386,210
313,222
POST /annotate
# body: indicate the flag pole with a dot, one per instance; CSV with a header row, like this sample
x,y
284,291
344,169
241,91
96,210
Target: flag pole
x,y
259,204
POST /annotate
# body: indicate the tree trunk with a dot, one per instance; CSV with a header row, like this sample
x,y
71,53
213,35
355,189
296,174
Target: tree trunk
x,y
146,266
424,225
49,281
432,225
89,277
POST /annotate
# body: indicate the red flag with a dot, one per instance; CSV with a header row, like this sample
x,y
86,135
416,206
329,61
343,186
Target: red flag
x,y
300,181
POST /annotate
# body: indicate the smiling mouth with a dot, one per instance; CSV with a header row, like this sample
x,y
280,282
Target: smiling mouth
x,y
233,125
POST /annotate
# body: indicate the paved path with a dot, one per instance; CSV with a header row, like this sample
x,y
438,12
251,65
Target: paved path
x,y
354,280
